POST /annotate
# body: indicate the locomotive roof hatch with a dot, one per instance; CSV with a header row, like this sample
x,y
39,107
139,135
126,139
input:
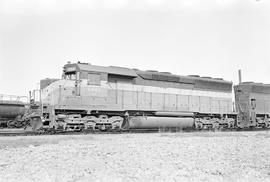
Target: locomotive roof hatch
x,y
167,76
197,82
110,70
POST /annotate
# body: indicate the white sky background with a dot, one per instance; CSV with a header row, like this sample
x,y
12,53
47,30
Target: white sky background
x,y
205,37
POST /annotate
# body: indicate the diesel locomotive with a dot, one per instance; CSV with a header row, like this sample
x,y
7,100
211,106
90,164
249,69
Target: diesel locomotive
x,y
90,97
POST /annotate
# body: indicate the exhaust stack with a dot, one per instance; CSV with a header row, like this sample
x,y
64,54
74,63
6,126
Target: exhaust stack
x,y
240,76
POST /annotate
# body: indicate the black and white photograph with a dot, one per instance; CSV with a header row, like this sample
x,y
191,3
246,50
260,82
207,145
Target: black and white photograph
x,y
134,90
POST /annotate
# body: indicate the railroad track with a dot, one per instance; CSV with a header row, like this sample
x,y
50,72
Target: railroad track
x,y
21,132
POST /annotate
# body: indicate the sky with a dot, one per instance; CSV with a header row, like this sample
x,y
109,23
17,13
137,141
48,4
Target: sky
x,y
209,38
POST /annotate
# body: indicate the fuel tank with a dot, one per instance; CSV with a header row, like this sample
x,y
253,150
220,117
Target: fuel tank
x,y
144,122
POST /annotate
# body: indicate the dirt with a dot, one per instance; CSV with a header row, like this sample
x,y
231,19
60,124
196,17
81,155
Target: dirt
x,y
206,156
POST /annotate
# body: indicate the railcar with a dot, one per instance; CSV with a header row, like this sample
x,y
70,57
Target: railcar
x,y
11,107
115,97
252,101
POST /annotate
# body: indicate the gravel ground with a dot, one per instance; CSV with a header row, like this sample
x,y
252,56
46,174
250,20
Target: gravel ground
x,y
207,156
